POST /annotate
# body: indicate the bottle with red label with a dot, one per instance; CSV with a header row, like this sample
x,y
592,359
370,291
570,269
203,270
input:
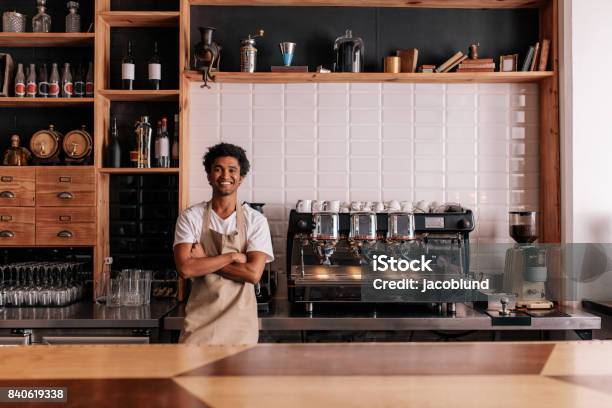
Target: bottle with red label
x,y
67,85
20,87
31,86
54,82
43,83
89,82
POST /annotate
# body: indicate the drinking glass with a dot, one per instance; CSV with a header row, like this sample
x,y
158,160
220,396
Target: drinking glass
x,y
114,292
133,287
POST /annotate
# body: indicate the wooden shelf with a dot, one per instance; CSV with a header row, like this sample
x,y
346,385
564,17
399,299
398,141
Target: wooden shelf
x,y
141,18
131,170
44,102
46,39
450,77
478,4
166,95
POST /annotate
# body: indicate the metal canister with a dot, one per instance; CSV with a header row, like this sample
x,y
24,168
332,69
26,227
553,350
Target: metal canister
x,y
248,53
13,22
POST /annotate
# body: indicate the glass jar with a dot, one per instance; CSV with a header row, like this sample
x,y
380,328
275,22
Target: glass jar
x,y
73,20
41,22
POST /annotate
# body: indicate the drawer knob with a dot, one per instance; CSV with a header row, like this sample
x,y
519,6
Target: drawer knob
x,y
64,234
65,196
7,194
6,217
7,234
65,179
6,179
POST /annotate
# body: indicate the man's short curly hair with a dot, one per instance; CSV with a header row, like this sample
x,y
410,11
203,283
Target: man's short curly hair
x,y
227,149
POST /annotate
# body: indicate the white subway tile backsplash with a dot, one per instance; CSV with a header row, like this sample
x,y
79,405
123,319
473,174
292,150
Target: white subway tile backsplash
x,y
332,132
300,164
300,132
364,116
392,115
300,180
364,100
267,132
364,148
299,148
332,116
268,100
332,148
397,100
403,132
476,144
332,100
333,180
364,132
267,116
333,164
300,100
429,116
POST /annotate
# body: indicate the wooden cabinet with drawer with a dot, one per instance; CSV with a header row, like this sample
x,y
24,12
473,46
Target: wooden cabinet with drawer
x,y
16,226
68,226
17,186
69,187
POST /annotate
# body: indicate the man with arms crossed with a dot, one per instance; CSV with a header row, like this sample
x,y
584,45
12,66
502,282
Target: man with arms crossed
x,y
223,247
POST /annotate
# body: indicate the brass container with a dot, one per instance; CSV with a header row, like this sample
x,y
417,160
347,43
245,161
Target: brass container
x,y
392,64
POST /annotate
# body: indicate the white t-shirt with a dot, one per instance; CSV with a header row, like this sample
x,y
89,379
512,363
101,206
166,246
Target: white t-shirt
x,y
189,228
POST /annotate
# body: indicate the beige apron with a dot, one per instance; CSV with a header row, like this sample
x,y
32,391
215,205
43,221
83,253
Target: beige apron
x,y
220,310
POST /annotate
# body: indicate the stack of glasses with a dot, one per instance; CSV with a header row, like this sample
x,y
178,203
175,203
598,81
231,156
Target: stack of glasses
x,y
42,283
131,287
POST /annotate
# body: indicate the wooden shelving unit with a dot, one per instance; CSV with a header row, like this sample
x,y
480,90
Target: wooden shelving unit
x,y
449,77
140,95
107,170
141,18
504,4
12,102
46,39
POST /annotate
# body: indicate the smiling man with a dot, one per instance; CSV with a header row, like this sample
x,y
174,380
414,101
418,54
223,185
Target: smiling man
x,y
223,247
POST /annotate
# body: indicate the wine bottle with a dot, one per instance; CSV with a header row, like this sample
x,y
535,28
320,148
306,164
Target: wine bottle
x,y
113,152
128,68
31,88
43,84
154,69
175,142
89,82
20,87
67,84
164,145
54,82
79,82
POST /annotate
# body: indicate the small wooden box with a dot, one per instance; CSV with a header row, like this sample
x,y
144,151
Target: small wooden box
x,y
6,74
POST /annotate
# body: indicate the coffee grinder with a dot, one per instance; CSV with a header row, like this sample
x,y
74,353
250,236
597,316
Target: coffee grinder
x,y
526,271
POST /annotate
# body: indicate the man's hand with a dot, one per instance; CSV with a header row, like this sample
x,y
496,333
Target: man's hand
x,y
239,258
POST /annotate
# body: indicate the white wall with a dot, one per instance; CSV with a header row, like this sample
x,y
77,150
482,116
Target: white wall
x,y
587,137
468,143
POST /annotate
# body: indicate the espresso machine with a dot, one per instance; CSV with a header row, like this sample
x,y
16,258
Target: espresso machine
x,y
327,246
526,267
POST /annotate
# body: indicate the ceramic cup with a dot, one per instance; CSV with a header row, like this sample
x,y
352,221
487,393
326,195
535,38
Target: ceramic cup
x,y
304,206
331,206
379,207
394,205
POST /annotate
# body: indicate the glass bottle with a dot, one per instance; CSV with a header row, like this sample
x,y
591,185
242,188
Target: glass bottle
x,y
127,69
155,69
79,82
73,20
67,85
89,82
102,281
54,82
31,88
113,151
20,87
175,142
164,145
158,135
43,84
41,22
143,142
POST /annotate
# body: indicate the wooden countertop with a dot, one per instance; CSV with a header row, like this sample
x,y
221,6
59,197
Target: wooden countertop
x,y
559,374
